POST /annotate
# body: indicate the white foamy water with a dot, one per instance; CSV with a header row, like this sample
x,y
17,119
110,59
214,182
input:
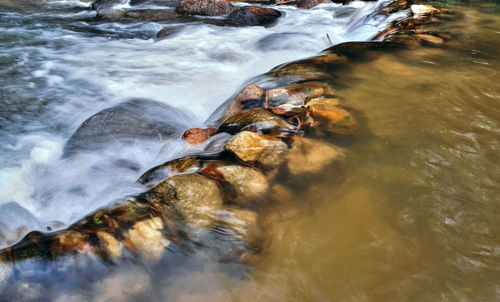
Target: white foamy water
x,y
59,67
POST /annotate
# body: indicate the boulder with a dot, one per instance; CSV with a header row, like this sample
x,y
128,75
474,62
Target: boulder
x,y
253,15
250,97
331,118
196,136
249,184
256,120
256,147
205,7
307,4
193,196
297,93
310,156
137,119
159,173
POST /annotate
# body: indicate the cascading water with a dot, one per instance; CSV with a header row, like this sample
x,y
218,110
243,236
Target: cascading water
x,y
60,66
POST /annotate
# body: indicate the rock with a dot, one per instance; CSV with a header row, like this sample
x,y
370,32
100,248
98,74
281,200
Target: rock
x,y
331,118
285,2
205,7
256,120
297,93
126,123
309,156
191,195
250,185
164,33
430,39
149,15
288,111
251,97
101,4
307,4
395,6
256,147
240,222
326,101
70,241
159,173
147,237
217,142
196,136
253,15
404,40
423,10
280,193
112,246
301,70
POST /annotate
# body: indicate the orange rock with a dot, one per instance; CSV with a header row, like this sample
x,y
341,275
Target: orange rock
x,y
196,136
331,118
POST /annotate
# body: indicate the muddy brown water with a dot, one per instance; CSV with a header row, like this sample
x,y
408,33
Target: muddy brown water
x,y
412,215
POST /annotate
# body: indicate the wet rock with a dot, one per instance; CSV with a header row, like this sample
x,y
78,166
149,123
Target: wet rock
x,y
163,33
196,136
288,110
307,4
430,39
297,93
249,184
147,237
280,193
217,142
404,40
112,246
309,156
205,7
256,147
423,10
149,15
126,123
256,120
331,118
70,241
395,6
191,195
159,173
253,15
250,97
241,222
285,2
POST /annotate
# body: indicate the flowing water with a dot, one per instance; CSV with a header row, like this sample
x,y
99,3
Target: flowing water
x,y
411,216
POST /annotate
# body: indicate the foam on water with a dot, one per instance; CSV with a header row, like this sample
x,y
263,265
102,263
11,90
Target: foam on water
x,y
58,75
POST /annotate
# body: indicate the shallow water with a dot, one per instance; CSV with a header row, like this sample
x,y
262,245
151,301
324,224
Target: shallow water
x,y
410,216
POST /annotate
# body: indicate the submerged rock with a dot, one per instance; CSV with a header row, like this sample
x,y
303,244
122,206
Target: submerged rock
x,y
308,156
297,93
159,173
256,147
205,7
331,118
307,4
253,15
196,136
147,237
110,244
241,222
249,184
256,120
191,195
125,123
250,97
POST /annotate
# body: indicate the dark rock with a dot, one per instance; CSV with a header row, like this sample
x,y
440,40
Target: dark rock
x,y
205,7
252,96
163,33
256,120
307,4
126,122
150,15
159,173
253,15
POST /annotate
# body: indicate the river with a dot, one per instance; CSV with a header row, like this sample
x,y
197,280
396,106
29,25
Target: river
x,y
412,217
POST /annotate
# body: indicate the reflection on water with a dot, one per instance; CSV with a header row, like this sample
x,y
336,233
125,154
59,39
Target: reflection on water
x,y
411,216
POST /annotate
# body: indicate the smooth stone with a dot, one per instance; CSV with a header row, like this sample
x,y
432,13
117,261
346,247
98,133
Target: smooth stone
x,y
256,120
159,173
307,4
422,9
297,93
191,195
196,136
163,33
310,156
127,122
253,15
331,118
431,40
217,142
250,185
250,97
146,236
256,147
288,110
205,7
112,246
